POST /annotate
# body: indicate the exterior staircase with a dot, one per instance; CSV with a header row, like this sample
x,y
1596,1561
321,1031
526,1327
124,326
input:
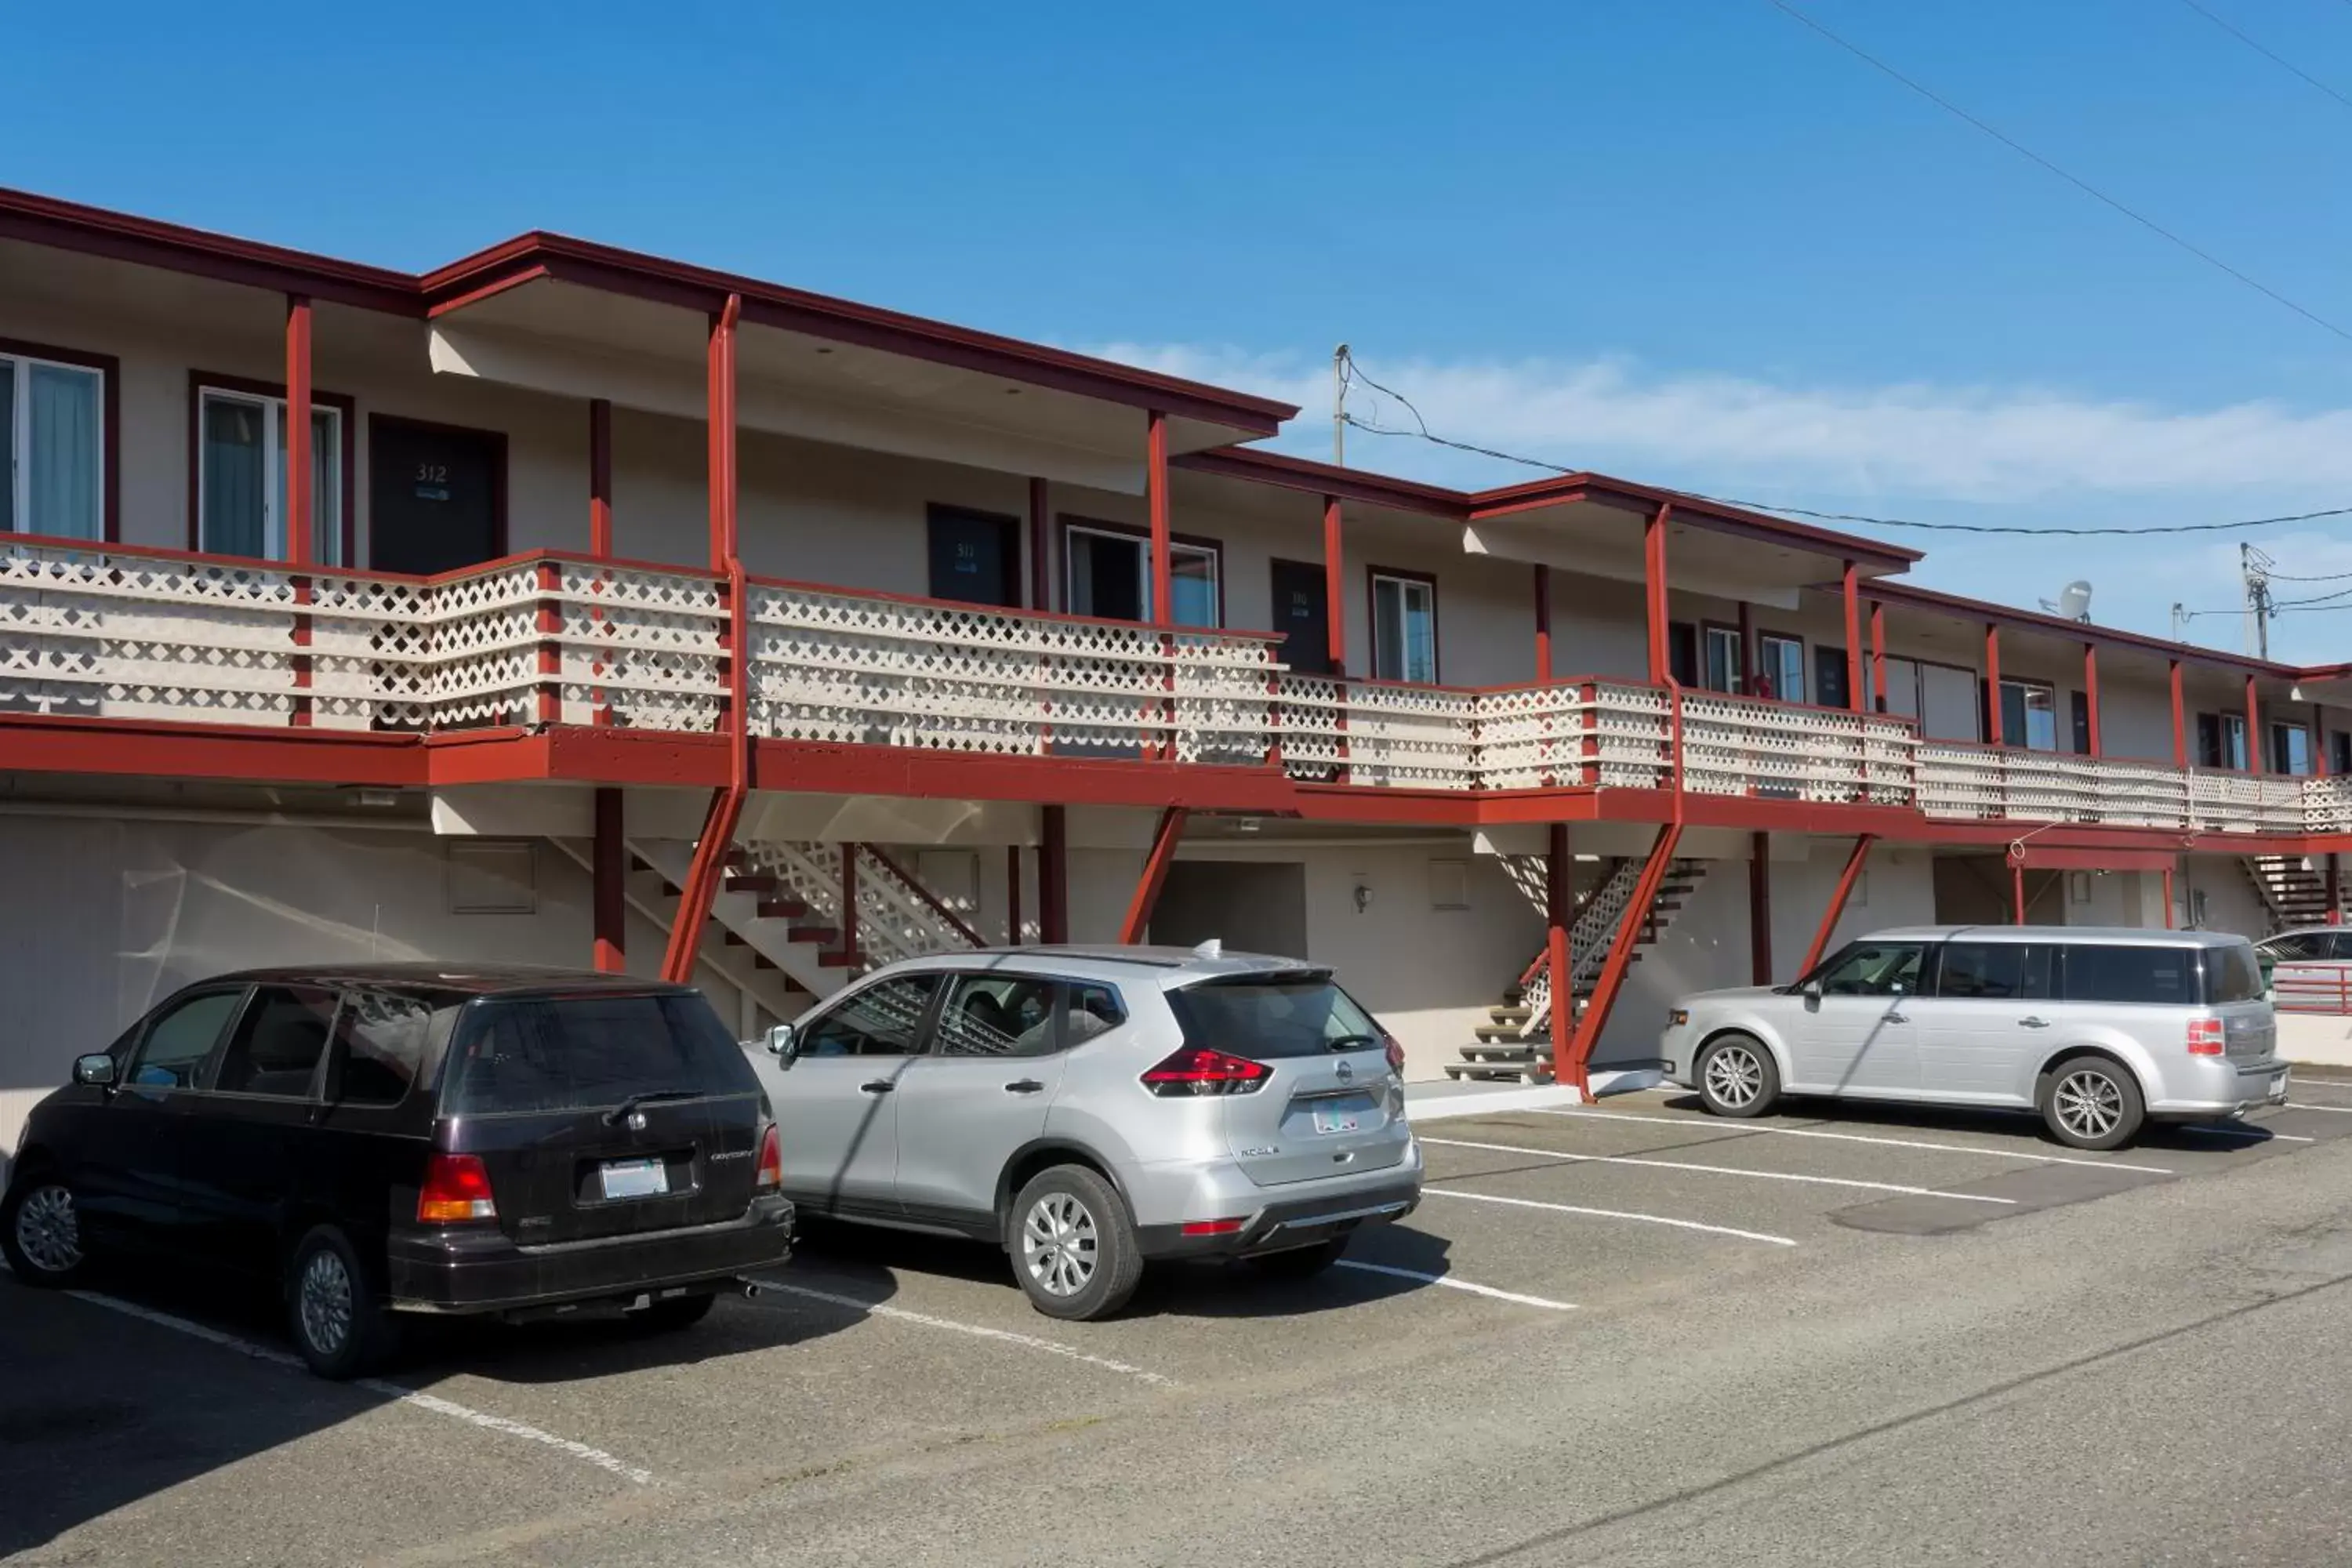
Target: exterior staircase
x,y
1515,1045
2294,894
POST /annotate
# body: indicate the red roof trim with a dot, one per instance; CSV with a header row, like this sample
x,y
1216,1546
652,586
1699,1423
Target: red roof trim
x,y
1322,479
2075,631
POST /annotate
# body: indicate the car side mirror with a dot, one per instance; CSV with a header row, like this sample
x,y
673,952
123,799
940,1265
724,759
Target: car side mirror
x,y
1812,990
782,1045
96,1071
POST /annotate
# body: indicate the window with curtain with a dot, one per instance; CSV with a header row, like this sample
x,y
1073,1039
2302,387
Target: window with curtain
x,y
241,477
2029,715
1108,574
53,431
1781,667
1404,629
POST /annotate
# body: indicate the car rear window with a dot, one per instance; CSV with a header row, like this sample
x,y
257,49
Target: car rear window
x,y
1272,1016
577,1053
2154,975
2232,974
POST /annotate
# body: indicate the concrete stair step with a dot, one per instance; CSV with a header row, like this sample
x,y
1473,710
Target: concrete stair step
x,y
1496,1072
1526,1051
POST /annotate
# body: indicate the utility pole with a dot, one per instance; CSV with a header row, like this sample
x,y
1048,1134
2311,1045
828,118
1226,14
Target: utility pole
x,y
2252,566
1339,406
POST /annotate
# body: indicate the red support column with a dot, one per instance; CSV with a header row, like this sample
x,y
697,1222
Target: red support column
x,y
2254,730
1877,656
600,478
1335,597
1543,622
2091,693
1653,590
849,900
1559,904
1013,895
301,548
2334,890
1993,684
2179,724
609,872
1155,872
1746,684
2017,887
2169,921
1620,958
1760,909
1041,569
1155,492
1838,896
718,834
1053,874
1854,692
2318,742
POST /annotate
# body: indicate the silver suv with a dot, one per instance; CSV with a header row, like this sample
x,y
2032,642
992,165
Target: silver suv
x,y
2099,1030
1092,1109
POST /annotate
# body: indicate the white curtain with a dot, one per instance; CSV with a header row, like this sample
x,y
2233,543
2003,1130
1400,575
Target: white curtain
x,y
66,455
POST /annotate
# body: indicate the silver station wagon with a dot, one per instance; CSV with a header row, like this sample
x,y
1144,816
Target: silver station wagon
x,y
2099,1030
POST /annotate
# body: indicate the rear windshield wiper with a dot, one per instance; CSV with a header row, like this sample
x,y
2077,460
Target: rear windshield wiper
x,y
620,1112
1353,1042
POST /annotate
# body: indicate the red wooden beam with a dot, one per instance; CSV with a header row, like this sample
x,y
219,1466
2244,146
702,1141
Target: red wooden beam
x,y
600,478
2091,693
2318,742
1846,879
1993,683
1854,695
1559,906
1155,487
1653,590
1040,570
2253,729
2169,921
1155,873
1878,655
1013,895
300,545
1543,621
2017,887
721,429
1749,667
1053,874
1760,909
609,870
1620,958
2180,723
1335,598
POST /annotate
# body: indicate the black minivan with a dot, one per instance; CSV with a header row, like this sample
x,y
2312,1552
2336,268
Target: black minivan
x,y
408,1138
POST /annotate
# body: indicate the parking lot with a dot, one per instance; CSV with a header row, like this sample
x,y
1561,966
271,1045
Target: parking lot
x,y
139,1424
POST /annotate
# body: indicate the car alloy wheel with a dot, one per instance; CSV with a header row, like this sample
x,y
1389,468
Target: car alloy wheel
x,y
48,1231
1734,1077
1059,1244
2088,1104
323,1298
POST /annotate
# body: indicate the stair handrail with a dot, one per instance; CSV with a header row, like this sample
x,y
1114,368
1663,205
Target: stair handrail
x,y
905,882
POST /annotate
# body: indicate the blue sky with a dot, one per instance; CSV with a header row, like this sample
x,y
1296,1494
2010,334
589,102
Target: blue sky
x,y
1686,240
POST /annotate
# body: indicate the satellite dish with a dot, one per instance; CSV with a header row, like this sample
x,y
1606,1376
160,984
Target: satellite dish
x,y
2074,602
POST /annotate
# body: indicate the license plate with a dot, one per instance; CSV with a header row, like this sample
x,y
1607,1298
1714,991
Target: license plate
x,y
1337,1120
635,1178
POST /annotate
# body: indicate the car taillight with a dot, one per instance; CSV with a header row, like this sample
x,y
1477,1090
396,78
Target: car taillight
x,y
2205,1037
457,1188
1395,1052
772,1159
1192,1071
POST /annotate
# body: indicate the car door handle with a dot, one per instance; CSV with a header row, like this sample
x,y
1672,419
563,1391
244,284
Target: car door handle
x,y
876,1086
1024,1086
2033,1023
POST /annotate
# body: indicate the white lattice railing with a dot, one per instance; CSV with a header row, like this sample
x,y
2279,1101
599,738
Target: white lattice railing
x,y
2009,783
896,919
829,664
1378,733
2247,802
1739,745
101,631
1589,940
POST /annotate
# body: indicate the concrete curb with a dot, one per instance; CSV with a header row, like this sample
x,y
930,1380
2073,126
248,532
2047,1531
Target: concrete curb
x,y
1437,1102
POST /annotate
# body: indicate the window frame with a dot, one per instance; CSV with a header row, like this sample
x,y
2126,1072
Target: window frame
x,y
1764,640
926,1026
1073,524
935,1042
1708,632
109,367
1932,985
1405,576
199,1080
2026,686
2225,724
269,393
2280,729
313,1091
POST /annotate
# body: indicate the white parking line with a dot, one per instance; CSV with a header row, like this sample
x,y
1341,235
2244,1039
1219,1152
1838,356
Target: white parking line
x,y
2242,1132
1453,1284
1611,1214
432,1402
1028,1341
1720,1171
1742,1127
2306,1105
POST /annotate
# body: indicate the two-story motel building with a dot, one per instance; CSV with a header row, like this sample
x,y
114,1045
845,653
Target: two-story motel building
x,y
608,609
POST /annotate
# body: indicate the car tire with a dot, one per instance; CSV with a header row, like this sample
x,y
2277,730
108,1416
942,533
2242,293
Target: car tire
x,y
335,1308
1300,1262
1073,1246
2092,1103
1737,1077
675,1312
40,1231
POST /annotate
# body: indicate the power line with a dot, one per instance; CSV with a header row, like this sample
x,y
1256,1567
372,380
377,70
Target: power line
x,y
2278,60
2078,183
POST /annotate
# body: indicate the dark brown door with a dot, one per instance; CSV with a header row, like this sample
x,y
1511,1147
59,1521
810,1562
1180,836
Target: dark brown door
x,y
436,497
1302,614
975,558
